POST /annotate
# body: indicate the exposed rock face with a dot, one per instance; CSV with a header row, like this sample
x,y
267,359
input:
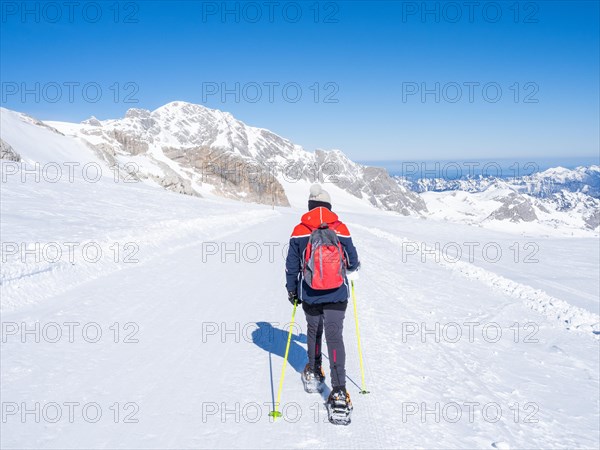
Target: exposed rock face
x,y
137,113
173,182
130,142
390,195
576,204
372,183
593,219
516,209
8,153
231,175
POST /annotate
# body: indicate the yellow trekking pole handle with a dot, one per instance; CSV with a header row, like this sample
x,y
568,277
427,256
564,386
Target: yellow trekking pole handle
x,y
276,413
363,389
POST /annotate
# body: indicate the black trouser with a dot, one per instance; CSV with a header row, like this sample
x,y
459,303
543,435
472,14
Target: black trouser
x,y
330,317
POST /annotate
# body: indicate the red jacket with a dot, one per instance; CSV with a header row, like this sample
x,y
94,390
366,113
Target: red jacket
x,y
293,264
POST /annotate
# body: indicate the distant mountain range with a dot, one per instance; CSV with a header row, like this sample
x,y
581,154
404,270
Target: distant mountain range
x,y
194,150
558,197
540,184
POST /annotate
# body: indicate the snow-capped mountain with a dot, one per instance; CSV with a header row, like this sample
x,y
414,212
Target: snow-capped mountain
x,y
195,150
555,198
559,179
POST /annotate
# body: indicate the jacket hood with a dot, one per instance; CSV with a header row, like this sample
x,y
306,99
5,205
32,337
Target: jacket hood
x,y
315,217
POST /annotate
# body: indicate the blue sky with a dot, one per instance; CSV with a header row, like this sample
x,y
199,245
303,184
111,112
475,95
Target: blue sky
x,y
361,68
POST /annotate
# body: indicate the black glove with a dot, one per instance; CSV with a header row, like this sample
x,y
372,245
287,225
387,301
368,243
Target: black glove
x,y
354,269
293,298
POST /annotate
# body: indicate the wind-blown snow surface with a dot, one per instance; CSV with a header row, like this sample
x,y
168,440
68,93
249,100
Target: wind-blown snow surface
x,y
511,358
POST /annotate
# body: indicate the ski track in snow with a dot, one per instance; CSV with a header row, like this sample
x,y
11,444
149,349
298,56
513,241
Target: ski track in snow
x,y
571,317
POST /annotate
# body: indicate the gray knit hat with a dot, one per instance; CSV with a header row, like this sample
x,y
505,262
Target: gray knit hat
x,y
319,194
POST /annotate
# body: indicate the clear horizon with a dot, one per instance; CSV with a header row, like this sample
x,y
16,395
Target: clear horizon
x,y
462,168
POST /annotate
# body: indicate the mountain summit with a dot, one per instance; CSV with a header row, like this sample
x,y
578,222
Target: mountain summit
x,y
196,150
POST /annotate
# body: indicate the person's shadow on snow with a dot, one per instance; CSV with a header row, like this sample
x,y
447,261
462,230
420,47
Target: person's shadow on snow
x,y
274,340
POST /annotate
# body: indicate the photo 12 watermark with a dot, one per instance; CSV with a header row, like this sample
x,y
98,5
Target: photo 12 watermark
x,y
70,12
468,412
249,412
471,332
243,252
261,333
270,92
69,92
68,171
458,170
469,92
52,252
261,12
470,251
291,171
70,412
525,12
70,332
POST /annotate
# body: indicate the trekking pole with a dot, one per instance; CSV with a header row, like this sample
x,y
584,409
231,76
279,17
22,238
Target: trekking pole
x,y
363,389
276,413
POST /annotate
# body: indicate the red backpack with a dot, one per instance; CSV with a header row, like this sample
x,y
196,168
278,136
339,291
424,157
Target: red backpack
x,y
324,259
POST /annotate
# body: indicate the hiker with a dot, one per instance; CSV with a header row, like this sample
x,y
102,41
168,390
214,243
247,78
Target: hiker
x,y
320,255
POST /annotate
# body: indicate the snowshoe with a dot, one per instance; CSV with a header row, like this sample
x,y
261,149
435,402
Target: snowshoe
x,y
313,380
339,407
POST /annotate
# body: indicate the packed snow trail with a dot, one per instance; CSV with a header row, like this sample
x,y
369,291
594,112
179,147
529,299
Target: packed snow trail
x,y
572,317
211,328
